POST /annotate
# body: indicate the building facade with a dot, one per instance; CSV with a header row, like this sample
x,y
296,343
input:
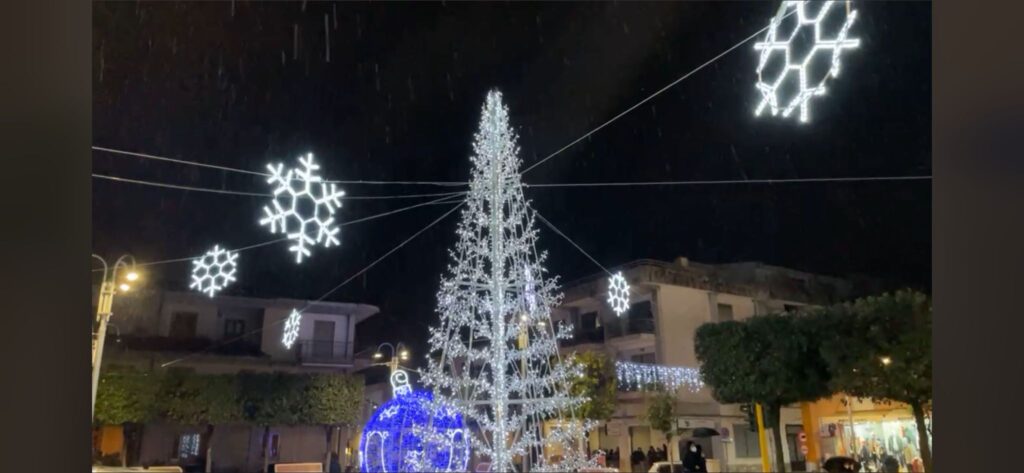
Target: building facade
x,y
668,302
222,335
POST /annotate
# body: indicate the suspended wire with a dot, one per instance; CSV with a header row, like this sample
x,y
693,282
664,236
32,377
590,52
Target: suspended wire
x,y
573,243
655,94
264,174
321,298
731,181
440,201
265,194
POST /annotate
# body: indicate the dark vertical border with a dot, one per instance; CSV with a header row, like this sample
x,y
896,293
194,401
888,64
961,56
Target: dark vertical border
x,y
46,128
978,249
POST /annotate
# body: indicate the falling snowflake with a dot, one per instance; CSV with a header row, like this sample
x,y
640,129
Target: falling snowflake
x,y
618,293
781,58
305,207
213,271
291,328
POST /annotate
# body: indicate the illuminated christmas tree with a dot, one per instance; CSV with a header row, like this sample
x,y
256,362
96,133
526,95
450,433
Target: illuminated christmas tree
x,y
495,352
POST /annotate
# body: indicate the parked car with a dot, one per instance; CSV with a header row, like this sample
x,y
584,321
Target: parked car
x,y
666,467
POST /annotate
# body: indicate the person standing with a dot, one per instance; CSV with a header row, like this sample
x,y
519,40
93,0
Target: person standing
x,y
692,461
651,456
636,460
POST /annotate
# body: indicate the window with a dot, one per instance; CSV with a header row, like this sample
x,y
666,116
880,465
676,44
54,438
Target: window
x,y
233,328
746,442
644,358
793,442
183,325
188,445
588,321
274,446
641,310
724,312
790,308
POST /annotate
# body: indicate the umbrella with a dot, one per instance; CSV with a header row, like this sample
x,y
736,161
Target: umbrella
x,y
841,465
700,432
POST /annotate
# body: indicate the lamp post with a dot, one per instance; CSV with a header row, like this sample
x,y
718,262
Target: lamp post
x,y
398,353
110,287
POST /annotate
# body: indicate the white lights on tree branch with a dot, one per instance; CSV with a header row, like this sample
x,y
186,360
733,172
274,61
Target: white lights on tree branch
x,y
213,271
291,328
786,62
638,376
618,293
303,206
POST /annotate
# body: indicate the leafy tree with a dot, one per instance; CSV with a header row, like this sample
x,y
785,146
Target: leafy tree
x,y
772,360
127,397
272,399
881,348
661,415
597,385
206,400
331,400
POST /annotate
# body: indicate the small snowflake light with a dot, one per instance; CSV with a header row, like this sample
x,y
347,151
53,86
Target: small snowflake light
x,y
291,329
778,51
618,293
214,270
303,206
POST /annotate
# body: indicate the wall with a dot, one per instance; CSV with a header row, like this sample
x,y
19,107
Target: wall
x,y
274,318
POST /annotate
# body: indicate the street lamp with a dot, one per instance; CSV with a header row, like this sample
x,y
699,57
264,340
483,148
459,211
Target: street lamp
x,y
110,286
398,353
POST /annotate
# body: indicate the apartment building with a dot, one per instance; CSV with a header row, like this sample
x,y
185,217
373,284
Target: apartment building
x,y
226,334
668,302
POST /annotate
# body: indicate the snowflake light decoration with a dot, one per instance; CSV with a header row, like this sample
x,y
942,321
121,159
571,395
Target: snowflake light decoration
x,y
308,205
214,270
291,328
618,293
779,55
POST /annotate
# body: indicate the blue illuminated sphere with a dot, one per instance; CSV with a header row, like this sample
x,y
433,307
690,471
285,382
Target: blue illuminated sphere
x,y
392,440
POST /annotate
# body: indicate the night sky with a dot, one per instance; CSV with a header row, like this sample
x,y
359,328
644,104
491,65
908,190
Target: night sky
x,y
400,100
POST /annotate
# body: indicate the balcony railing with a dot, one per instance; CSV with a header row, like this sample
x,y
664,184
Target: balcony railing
x,y
580,337
321,352
622,328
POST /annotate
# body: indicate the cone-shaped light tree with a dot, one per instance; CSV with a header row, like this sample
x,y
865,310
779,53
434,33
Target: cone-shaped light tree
x,y
494,355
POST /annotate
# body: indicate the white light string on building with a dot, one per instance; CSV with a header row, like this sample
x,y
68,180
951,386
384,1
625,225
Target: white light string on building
x,y
639,376
325,295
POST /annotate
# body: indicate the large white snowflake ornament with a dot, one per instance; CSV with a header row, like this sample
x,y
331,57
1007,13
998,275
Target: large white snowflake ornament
x,y
214,270
303,204
291,328
618,293
791,68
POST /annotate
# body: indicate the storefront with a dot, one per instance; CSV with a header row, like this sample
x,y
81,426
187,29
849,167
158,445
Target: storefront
x,y
878,430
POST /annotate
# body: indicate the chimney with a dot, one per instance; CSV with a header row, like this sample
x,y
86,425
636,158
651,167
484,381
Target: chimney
x,y
683,261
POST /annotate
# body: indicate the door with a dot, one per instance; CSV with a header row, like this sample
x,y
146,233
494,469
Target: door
x,y
796,456
323,339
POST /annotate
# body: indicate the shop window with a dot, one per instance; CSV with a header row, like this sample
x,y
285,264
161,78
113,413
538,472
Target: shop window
x,y
188,445
745,442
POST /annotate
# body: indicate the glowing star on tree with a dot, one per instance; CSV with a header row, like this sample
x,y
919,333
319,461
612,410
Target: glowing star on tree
x,y
213,271
618,294
303,206
506,377
291,328
786,62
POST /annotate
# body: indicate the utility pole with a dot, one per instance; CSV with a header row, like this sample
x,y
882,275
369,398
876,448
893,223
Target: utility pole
x,y
762,439
104,309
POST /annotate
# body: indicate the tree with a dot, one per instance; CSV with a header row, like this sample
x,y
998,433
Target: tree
x,y
272,399
204,400
772,360
127,397
331,400
881,348
661,415
495,293
597,385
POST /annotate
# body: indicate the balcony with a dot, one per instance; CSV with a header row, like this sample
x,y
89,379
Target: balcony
x,y
239,347
583,337
315,352
630,326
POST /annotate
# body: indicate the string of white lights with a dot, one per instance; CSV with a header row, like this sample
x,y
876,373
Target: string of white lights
x,y
649,97
264,194
264,174
639,376
321,298
440,201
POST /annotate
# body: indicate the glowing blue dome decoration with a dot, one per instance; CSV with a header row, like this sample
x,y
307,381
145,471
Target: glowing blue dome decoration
x,y
395,437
